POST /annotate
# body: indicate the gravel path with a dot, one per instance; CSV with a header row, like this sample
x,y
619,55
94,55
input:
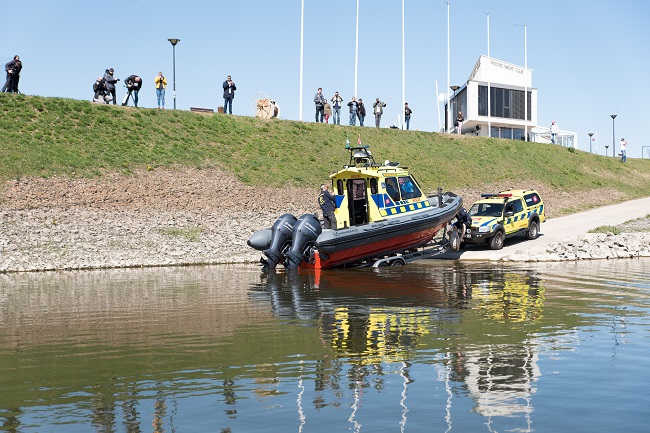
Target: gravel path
x,y
157,218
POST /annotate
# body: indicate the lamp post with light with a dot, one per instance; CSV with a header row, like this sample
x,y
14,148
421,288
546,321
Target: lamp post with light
x,y
590,134
613,116
174,41
453,103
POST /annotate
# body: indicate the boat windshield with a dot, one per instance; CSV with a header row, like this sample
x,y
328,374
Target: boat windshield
x,y
407,188
486,209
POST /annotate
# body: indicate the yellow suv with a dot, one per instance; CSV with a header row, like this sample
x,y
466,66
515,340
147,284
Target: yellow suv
x,y
498,216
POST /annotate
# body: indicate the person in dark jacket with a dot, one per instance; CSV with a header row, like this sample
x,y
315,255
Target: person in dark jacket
x,y
101,95
228,94
463,222
407,115
12,69
361,111
110,81
327,204
133,85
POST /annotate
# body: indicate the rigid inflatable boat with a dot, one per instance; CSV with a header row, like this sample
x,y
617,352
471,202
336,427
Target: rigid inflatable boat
x,y
380,211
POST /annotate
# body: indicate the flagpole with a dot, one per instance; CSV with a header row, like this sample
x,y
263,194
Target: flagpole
x,y
356,55
302,31
488,75
403,65
448,122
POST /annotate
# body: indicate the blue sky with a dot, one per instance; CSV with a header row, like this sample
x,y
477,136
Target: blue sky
x,y
588,57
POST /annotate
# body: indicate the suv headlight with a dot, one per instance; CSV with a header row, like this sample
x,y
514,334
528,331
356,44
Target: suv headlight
x,y
483,229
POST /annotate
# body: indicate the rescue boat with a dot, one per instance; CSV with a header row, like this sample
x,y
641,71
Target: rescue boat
x,y
380,211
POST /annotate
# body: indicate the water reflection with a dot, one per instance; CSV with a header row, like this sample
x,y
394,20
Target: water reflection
x,y
449,347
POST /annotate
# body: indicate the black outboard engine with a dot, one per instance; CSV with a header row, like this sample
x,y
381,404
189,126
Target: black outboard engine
x,y
305,232
282,231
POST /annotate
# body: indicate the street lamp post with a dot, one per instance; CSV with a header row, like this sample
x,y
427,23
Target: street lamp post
x,y
174,41
613,116
453,102
590,134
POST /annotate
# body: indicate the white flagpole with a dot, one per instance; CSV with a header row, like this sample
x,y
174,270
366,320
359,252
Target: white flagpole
x,y
488,75
356,55
403,64
302,31
448,126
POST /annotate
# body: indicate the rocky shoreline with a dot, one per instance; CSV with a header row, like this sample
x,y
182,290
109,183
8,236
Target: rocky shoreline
x,y
184,217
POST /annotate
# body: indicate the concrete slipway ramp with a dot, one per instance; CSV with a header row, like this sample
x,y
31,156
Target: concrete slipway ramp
x,y
557,230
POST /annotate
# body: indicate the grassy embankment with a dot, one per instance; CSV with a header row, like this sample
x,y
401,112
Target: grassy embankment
x,y
55,136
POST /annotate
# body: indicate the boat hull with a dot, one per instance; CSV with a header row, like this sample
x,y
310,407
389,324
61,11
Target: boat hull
x,y
354,244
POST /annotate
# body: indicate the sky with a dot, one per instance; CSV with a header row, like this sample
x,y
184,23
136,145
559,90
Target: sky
x,y
588,57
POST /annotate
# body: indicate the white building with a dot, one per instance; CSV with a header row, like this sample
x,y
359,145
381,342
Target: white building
x,y
511,115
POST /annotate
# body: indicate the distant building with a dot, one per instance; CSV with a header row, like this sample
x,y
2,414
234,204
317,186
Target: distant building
x,y
513,103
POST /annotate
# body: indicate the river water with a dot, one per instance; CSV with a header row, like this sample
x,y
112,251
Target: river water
x,y
435,346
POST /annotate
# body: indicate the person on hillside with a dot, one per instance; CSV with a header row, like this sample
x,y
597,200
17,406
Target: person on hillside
x,y
553,130
327,111
623,152
319,101
378,108
361,111
101,94
354,107
459,122
161,84
110,81
337,103
133,85
13,68
327,204
407,115
228,94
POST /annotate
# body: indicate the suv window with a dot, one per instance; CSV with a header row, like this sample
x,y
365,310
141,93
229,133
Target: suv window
x,y
532,199
517,206
486,209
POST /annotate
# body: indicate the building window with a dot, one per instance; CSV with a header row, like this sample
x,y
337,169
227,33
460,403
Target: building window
x,y
505,103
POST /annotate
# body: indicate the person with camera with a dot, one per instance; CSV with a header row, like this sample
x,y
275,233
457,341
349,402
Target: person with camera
x,y
12,69
337,103
354,106
228,94
133,85
101,95
161,84
378,108
110,81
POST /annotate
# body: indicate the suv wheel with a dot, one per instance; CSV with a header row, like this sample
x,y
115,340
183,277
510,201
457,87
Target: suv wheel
x,y
533,231
496,243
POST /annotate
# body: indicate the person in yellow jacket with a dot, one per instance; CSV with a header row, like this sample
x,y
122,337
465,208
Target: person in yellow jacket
x,y
161,84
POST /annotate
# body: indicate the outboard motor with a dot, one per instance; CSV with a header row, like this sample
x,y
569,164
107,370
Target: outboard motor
x,y
305,232
261,239
282,231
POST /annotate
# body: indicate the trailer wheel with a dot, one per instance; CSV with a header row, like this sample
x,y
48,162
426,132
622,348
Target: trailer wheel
x,y
398,262
496,243
382,264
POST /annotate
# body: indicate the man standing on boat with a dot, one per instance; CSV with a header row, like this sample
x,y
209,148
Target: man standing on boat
x,y
327,204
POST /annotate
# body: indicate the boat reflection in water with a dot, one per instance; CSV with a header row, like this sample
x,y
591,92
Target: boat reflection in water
x,y
466,324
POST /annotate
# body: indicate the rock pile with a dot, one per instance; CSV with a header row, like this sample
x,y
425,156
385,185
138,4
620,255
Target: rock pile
x,y
588,247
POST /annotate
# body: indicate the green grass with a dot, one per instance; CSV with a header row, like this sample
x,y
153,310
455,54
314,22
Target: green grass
x,y
192,234
54,136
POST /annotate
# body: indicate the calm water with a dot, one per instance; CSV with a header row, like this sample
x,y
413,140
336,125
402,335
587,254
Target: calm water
x,y
430,347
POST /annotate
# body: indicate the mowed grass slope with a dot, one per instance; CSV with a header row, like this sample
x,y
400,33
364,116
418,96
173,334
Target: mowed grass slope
x,y
54,136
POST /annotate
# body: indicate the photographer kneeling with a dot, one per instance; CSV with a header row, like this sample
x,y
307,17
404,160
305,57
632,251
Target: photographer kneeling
x,y
133,84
